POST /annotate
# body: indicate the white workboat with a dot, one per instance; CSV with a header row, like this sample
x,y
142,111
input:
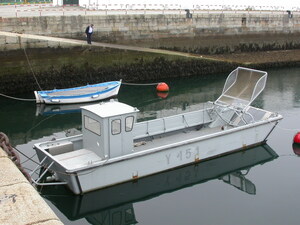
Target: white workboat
x,y
113,148
87,93
233,169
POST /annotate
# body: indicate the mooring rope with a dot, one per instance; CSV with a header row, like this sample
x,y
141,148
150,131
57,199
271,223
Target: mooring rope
x,y
136,84
15,98
284,128
32,70
27,158
30,99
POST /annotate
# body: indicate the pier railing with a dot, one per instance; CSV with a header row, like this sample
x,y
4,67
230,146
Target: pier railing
x,y
45,9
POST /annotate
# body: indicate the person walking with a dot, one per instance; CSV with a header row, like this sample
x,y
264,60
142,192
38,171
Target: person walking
x,y
89,32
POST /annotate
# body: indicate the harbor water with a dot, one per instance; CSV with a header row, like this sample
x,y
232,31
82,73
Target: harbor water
x,y
255,186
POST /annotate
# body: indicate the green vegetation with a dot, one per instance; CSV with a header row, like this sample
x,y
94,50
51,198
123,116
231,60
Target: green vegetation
x,y
61,68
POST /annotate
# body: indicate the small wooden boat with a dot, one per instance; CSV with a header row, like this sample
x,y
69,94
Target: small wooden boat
x,y
88,93
114,148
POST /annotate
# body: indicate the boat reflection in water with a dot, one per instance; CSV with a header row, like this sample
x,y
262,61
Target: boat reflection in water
x,y
114,205
46,110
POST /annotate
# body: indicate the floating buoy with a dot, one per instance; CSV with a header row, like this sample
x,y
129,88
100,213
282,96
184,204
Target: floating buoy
x,y
297,138
163,87
296,148
162,94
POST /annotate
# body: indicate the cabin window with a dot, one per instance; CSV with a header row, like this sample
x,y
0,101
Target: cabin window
x,y
129,123
92,125
116,126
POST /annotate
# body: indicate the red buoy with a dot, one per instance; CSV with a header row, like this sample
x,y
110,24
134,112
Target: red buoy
x,y
162,94
296,148
163,87
297,138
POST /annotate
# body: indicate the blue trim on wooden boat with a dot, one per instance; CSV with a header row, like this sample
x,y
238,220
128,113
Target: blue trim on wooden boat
x,y
44,94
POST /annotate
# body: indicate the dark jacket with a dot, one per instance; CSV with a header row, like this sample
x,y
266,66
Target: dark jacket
x,y
87,30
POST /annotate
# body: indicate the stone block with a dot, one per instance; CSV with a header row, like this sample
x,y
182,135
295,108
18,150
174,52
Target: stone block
x,y
9,173
2,154
12,40
21,203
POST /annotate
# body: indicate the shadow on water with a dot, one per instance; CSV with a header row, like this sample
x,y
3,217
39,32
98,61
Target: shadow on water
x,y
106,206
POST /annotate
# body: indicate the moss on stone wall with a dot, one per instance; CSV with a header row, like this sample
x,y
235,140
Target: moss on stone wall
x,y
69,68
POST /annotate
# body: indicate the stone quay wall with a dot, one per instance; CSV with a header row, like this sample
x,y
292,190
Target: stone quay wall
x,y
123,28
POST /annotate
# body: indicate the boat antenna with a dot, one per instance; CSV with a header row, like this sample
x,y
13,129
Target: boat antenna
x,y
32,69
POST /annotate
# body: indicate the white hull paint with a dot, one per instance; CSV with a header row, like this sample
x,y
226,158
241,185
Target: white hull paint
x,y
153,161
113,148
90,97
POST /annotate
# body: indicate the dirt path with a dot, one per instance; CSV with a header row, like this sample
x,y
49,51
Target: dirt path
x,y
261,57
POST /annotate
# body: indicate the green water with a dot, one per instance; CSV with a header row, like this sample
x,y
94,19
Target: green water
x,y
261,190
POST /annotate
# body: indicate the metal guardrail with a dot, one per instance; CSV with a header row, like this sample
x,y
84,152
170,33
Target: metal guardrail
x,y
109,9
22,2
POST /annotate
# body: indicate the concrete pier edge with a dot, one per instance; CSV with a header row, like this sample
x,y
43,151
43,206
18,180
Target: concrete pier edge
x,y
20,203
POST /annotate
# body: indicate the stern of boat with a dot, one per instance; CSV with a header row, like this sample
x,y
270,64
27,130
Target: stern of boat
x,y
38,98
51,171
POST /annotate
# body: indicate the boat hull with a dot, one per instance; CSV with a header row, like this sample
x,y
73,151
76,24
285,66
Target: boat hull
x,y
152,161
166,182
88,93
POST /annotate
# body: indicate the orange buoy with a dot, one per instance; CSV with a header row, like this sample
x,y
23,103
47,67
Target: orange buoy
x,y
162,94
163,87
297,138
296,148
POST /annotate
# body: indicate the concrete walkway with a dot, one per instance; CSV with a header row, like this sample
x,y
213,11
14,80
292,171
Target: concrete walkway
x,y
107,45
20,203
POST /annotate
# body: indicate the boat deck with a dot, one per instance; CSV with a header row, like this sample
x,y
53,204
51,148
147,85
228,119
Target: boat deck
x,y
172,137
77,159
77,91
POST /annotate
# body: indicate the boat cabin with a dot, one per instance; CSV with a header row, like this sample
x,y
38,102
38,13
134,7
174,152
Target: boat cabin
x,y
107,128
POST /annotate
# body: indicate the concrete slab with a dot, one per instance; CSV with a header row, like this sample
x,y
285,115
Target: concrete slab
x,y
9,173
20,203
2,155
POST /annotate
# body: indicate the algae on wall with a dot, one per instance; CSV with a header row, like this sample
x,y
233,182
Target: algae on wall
x,y
62,68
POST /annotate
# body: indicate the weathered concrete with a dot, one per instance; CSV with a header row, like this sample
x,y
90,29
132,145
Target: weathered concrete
x,y
72,42
138,28
19,201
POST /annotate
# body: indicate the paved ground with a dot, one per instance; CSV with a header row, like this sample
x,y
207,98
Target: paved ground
x,y
241,58
261,57
19,201
105,45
